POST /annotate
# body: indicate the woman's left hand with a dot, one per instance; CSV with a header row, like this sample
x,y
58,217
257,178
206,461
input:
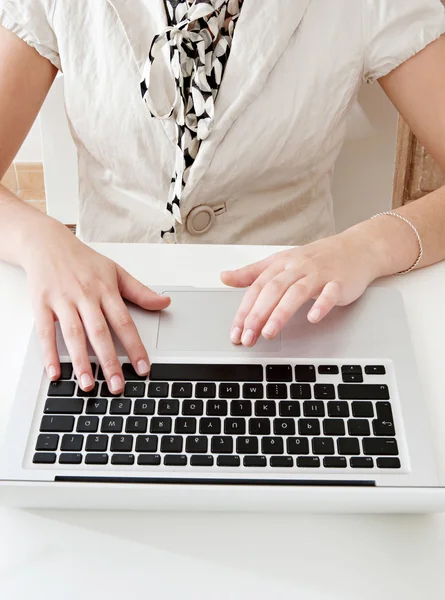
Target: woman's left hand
x,y
336,271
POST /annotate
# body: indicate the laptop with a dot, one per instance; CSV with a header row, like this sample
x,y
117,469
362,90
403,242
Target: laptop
x,y
323,418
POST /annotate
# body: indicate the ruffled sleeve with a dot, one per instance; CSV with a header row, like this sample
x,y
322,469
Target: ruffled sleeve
x,y
31,21
396,30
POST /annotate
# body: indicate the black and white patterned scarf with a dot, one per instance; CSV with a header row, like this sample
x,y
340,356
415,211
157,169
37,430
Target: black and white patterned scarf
x,y
199,34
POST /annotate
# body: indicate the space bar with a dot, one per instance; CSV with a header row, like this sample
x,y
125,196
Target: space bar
x,y
203,372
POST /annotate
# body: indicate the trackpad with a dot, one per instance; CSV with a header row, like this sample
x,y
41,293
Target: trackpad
x,y
200,321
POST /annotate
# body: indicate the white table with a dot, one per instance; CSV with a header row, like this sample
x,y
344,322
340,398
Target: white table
x,y
81,555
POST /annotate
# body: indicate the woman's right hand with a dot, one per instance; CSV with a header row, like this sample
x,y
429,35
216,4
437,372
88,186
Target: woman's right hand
x,y
84,291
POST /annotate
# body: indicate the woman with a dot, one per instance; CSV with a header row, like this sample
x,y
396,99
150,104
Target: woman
x,y
212,121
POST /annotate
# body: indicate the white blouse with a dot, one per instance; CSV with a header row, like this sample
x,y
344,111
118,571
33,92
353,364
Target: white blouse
x,y
263,175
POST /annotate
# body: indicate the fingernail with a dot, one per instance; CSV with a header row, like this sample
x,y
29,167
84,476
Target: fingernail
x,y
52,371
85,381
314,315
142,367
235,335
116,384
248,337
269,330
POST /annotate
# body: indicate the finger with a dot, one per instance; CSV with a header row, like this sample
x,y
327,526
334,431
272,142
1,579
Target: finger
x,y
100,338
120,320
46,332
246,275
293,299
326,301
75,341
138,293
265,303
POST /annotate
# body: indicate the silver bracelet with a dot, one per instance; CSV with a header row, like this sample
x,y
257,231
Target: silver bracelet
x,y
419,258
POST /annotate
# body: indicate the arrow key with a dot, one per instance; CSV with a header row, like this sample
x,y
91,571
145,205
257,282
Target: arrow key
x,y
383,427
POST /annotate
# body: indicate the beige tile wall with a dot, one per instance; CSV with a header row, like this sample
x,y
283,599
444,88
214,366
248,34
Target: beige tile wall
x,y
26,181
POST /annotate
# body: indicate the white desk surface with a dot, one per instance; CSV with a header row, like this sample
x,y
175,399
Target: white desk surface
x,y
86,555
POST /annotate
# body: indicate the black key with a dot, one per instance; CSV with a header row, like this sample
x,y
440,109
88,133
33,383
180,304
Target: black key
x,y
44,458
192,407
59,424
122,459
241,408
358,427
322,445
272,445
281,461
210,425
265,408
158,390
70,459
352,378
66,370
105,392
335,462
120,407
201,461
96,443
276,391
112,424
255,461
122,443
284,426
217,408
259,426
203,372
375,370
348,446
253,390
362,409
305,373
222,444
146,443
130,374
178,460
328,370
384,411
383,428
278,373
168,407
334,427
144,407
324,391
72,443
61,388
185,425
300,391
134,389
171,443
205,390
313,409
229,390
91,394
97,406
338,409
388,463
309,427
247,445
228,461
235,426
351,369
380,446
87,424
182,390
308,462
149,459
96,459
136,425
289,409
361,462
197,444
351,391
161,425
47,442
100,375
298,446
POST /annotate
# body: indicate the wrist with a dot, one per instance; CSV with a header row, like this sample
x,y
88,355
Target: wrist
x,y
37,234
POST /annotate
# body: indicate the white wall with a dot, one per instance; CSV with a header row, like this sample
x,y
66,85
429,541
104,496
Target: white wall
x,y
31,151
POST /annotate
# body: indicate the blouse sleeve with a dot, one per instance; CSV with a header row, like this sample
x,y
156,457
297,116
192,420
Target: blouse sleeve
x,y
31,21
396,30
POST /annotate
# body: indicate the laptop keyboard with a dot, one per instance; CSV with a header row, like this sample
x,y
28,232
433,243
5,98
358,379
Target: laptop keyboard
x,y
272,416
